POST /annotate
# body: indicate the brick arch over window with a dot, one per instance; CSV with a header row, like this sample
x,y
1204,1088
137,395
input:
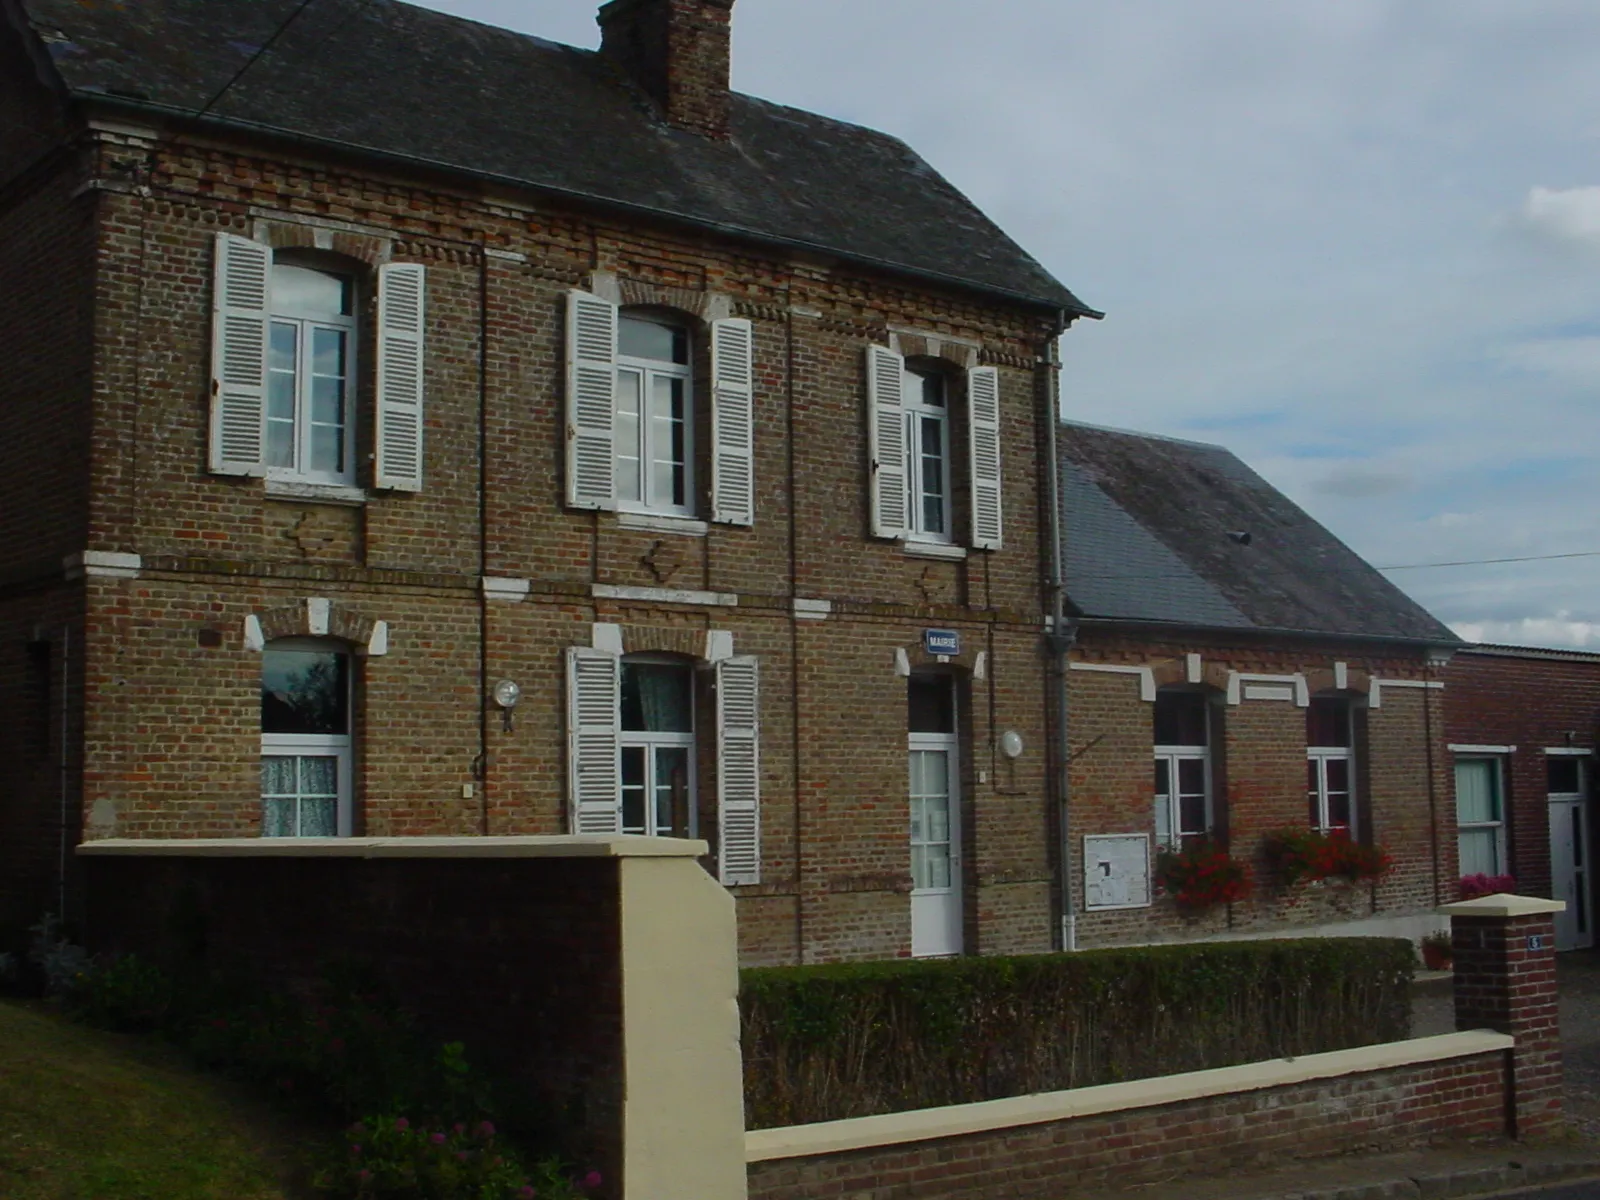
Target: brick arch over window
x,y
1324,680
665,639
360,248
317,617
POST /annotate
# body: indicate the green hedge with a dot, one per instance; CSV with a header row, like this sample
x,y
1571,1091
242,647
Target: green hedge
x,y
849,1040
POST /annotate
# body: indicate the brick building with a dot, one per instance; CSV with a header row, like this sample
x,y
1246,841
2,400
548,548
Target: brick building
x,y
412,427
1522,725
1238,670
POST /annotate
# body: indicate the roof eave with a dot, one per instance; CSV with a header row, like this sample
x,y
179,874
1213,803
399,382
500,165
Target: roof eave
x,y
1065,304
1139,625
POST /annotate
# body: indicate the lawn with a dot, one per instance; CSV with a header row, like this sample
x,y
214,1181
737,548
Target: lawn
x,y
86,1115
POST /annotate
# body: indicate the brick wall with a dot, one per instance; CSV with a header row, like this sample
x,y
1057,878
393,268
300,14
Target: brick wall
x,y
1460,1098
1532,701
1259,774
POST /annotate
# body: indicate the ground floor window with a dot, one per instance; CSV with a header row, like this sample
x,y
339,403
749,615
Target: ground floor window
x,y
1480,816
305,739
658,748
1330,765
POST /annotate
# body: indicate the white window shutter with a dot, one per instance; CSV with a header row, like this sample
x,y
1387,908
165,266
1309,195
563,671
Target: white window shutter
x,y
983,441
594,749
886,426
240,308
591,401
402,300
739,770
733,495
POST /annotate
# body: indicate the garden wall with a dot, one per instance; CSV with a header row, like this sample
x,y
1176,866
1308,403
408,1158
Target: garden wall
x,y
596,973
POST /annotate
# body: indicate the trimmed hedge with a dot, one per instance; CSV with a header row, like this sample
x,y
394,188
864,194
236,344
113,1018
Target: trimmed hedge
x,y
853,1039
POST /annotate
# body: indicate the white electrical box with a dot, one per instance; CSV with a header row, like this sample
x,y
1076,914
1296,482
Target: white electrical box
x,y
1116,871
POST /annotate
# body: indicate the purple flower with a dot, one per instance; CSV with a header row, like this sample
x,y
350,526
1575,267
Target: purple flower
x,y
591,1181
459,1127
461,1155
526,1192
355,1149
486,1129
364,1175
437,1139
402,1124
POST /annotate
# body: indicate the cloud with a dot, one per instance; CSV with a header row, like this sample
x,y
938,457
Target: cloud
x,y
1573,358
1568,215
1356,482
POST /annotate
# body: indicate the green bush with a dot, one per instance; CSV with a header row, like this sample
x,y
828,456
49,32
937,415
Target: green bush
x,y
825,1043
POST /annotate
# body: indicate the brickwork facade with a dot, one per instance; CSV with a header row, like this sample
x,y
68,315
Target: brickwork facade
x,y
1256,691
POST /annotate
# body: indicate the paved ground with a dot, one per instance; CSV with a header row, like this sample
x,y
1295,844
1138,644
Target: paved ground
x,y
1503,1170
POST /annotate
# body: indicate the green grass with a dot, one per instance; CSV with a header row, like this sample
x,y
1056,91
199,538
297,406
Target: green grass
x,y
87,1115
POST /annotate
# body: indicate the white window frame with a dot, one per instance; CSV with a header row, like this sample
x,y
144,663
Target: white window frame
x,y
304,324
916,413
650,743
1498,775
649,370
1320,757
1171,802
321,745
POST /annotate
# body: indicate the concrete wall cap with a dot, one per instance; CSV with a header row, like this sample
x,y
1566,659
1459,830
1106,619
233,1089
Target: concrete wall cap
x,y
575,846
888,1129
1503,905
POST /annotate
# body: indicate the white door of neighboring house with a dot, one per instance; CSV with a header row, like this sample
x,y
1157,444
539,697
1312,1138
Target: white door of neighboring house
x,y
935,845
1567,787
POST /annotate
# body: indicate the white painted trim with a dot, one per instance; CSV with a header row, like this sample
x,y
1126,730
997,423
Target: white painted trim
x,y
378,643
891,1129
1503,904
606,637
316,493
1147,675
1194,668
902,663
577,845
719,645
505,587
1465,748
254,638
101,564
1376,686
1296,688
1570,751
1341,676
940,550
662,523
505,255
318,612
655,595
1268,691
980,666
812,610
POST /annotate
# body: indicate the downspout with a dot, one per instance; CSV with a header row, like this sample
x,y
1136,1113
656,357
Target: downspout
x,y
66,775
483,538
1059,638
1428,663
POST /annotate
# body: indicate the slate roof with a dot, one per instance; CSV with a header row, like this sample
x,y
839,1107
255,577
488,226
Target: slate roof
x,y
1146,525
409,82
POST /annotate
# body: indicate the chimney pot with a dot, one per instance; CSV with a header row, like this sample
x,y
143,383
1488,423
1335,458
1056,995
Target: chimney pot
x,y
678,52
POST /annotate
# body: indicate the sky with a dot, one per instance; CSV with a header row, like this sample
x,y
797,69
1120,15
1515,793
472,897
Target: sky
x,y
1355,241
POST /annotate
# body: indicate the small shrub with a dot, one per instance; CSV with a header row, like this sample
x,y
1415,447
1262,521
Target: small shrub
x,y
123,993
1202,875
1473,886
391,1158
1307,855
59,961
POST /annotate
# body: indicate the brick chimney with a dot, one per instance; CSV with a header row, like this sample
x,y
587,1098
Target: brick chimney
x,y
677,51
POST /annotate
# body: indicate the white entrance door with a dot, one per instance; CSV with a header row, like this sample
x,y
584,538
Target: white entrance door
x,y
1569,873
935,846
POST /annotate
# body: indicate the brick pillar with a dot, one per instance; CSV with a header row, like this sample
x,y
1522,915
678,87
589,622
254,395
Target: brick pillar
x,y
1505,980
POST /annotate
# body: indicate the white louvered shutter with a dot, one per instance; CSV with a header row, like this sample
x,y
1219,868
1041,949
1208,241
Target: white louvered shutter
x,y
591,401
739,770
983,441
733,494
240,311
886,426
402,300
594,751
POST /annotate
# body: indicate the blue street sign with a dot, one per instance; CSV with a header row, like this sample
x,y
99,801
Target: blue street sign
x,y
941,641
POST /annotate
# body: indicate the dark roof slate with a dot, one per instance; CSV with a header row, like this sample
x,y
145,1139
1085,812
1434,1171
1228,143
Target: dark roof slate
x,y
1146,530
407,81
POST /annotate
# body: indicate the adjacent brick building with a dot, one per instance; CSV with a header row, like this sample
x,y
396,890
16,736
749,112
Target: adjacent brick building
x,y
1237,670
1522,725
412,427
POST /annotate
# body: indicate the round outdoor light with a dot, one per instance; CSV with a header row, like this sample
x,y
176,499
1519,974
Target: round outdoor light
x,y
1011,743
507,692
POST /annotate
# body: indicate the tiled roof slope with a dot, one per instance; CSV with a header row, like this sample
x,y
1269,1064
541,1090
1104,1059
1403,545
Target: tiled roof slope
x,y
1146,529
407,81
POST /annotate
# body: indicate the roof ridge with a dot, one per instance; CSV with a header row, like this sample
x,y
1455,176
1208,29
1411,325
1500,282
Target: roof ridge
x,y
1153,437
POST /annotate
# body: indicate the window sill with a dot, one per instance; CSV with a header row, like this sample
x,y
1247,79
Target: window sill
x,y
941,550
316,493
662,523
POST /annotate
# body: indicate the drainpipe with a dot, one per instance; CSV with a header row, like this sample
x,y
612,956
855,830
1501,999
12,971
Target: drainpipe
x,y
1059,640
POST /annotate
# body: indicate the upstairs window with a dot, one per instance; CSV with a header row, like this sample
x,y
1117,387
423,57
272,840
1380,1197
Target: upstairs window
x,y
287,369
927,420
654,424
1183,768
1330,765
